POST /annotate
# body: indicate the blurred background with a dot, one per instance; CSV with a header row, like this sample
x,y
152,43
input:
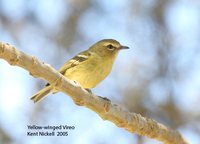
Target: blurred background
x,y
157,77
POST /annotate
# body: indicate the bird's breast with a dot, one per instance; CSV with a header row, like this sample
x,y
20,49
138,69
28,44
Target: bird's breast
x,y
90,73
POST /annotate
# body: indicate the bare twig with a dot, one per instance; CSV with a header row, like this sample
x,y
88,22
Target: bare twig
x,y
132,122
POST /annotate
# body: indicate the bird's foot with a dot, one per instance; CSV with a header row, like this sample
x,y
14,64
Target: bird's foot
x,y
88,90
105,98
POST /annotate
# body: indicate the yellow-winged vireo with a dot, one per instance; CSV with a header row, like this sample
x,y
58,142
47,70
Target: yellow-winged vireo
x,y
89,67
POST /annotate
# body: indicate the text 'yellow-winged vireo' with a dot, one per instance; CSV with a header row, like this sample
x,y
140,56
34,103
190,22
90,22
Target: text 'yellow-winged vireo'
x,y
89,67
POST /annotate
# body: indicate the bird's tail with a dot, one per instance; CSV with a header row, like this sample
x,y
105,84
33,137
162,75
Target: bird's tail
x,y
41,94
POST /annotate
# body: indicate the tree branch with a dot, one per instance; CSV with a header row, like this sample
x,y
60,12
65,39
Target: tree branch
x,y
132,122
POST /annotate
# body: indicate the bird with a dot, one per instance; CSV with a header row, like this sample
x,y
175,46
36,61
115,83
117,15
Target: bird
x,y
88,68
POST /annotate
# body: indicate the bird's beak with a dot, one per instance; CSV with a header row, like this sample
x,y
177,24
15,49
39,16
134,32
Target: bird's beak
x,y
124,47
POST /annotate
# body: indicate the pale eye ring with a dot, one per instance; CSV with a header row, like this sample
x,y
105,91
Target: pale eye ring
x,y
110,47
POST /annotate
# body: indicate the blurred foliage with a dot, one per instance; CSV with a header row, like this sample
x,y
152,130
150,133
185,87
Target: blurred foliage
x,y
4,137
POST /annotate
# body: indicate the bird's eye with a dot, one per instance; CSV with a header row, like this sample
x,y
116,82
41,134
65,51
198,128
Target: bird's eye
x,y
110,47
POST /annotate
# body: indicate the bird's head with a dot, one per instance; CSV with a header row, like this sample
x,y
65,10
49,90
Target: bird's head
x,y
107,47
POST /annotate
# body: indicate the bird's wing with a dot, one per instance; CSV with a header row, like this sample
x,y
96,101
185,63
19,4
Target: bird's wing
x,y
78,59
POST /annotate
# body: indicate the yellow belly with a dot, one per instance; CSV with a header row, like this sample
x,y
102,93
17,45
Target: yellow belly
x,y
89,74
